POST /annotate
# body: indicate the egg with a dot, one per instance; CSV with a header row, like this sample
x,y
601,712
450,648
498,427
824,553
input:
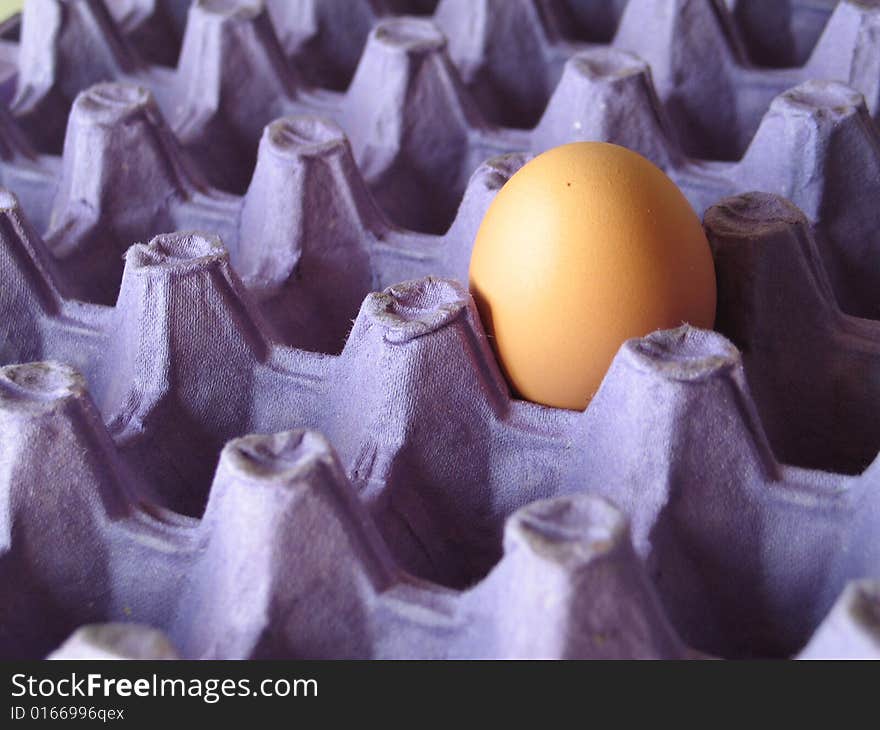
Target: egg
x,y
587,245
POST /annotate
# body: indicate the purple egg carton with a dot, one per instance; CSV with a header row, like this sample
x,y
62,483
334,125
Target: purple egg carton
x,y
715,498
743,551
417,128
125,178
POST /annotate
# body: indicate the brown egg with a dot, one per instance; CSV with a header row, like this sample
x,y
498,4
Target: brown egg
x,y
587,245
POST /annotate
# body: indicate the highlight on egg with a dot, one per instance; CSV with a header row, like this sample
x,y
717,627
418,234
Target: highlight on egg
x,y
587,245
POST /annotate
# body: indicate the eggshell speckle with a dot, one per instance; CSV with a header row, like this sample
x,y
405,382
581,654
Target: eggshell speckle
x,y
586,246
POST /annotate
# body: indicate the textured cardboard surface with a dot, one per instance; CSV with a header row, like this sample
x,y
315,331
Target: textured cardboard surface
x,y
717,496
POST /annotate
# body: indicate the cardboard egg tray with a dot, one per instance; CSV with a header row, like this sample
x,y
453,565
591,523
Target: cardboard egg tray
x,y
247,407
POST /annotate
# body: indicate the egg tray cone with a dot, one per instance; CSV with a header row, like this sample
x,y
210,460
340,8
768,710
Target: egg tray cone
x,y
433,516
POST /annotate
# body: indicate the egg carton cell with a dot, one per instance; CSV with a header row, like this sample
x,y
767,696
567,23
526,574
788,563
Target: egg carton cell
x,y
810,365
781,34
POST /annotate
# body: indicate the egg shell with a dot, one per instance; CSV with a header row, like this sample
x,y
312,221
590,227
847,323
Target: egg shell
x,y
586,246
